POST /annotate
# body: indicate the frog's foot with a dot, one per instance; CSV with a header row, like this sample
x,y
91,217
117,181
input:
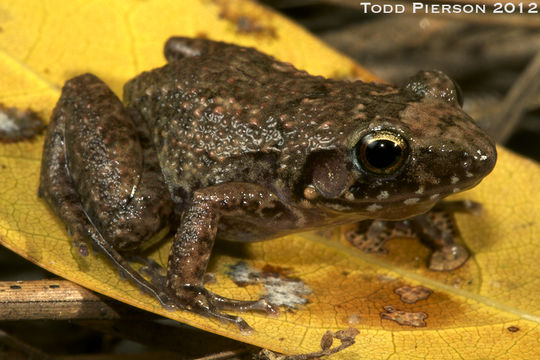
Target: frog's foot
x,y
123,264
204,302
448,258
151,269
447,254
437,229
153,287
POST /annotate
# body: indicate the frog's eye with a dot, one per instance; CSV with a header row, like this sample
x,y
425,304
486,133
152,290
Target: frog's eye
x,y
381,153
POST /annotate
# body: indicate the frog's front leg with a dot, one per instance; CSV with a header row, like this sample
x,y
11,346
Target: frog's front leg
x,y
194,240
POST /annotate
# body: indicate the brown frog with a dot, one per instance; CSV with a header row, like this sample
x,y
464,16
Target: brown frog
x,y
225,142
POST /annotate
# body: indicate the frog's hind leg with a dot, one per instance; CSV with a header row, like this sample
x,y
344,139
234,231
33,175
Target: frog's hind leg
x,y
436,229
152,270
83,170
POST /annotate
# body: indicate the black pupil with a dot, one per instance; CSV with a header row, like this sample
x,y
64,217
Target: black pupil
x,y
382,154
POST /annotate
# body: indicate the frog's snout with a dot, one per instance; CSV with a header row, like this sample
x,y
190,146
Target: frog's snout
x,y
483,161
467,166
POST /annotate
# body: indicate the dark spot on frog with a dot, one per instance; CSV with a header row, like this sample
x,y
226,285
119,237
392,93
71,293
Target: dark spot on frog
x,y
15,287
513,329
18,125
318,91
53,286
212,141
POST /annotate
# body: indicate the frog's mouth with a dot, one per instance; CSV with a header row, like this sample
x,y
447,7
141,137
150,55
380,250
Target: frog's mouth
x,y
398,210
389,210
391,203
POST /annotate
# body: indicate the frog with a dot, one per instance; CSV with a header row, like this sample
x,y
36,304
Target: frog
x,y
227,143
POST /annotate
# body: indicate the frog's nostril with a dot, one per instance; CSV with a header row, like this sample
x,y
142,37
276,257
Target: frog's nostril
x,y
471,165
479,163
488,160
485,158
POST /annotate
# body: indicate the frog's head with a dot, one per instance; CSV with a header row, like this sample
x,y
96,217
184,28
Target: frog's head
x,y
399,163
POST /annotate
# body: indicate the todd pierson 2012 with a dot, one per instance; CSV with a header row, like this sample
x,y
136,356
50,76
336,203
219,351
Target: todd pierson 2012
x,y
422,8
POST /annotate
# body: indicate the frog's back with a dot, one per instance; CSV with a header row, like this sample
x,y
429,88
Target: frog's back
x,y
232,115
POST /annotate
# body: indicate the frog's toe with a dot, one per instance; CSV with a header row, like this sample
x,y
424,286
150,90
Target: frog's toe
x,y
201,306
151,269
242,325
448,258
223,303
206,303
83,250
80,245
261,305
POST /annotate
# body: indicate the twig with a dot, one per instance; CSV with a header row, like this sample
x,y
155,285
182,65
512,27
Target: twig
x,y
346,337
58,300
516,101
64,300
224,355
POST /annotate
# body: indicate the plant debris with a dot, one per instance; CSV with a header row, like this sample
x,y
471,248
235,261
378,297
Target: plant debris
x,y
347,338
415,319
412,294
17,124
281,290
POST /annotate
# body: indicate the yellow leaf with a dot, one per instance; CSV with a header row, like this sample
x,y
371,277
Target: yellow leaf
x,y
489,308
